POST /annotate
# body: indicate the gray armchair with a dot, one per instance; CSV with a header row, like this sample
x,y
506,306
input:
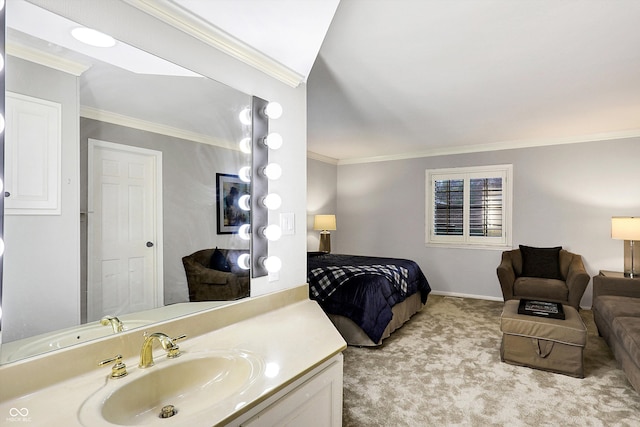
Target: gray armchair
x,y
211,284
566,287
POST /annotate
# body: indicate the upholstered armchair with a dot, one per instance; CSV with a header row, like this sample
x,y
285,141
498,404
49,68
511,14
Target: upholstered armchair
x,y
549,274
214,275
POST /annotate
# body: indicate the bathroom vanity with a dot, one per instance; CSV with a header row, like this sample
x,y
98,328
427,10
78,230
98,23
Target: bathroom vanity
x,y
265,361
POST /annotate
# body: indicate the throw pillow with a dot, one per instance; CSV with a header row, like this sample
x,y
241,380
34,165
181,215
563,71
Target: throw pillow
x,y
541,262
219,262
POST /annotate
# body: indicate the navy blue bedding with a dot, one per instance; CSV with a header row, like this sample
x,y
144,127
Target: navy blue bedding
x,y
366,297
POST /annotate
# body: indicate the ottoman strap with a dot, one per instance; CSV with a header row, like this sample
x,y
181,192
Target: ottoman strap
x,y
542,347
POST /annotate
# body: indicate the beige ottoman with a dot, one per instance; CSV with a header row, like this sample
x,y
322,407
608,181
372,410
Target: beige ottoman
x,y
537,342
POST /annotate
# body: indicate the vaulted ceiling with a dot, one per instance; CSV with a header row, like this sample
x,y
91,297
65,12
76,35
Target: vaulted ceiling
x,y
401,78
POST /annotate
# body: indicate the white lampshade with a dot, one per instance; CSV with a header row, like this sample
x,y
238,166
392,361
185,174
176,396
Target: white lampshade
x,y
324,222
625,228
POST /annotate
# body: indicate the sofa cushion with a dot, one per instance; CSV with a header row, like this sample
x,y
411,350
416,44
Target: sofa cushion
x,y
541,262
627,331
612,306
537,288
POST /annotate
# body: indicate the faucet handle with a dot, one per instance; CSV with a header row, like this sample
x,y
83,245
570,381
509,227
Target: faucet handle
x,y
174,350
118,370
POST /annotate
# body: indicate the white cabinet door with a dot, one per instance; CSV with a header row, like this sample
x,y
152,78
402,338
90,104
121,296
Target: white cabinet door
x,y
32,156
316,402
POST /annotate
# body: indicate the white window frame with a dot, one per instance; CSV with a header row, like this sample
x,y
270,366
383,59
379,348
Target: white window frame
x,y
465,240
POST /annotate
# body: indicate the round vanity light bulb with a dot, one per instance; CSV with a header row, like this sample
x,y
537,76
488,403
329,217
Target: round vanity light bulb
x,y
271,232
272,201
245,116
244,261
245,145
273,110
244,231
1,123
1,247
1,62
245,202
272,264
92,37
272,171
273,141
1,185
245,173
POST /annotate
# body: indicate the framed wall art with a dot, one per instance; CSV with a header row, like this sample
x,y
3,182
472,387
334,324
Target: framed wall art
x,y
229,188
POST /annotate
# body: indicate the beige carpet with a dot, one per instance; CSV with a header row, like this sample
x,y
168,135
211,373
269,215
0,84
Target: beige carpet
x,y
443,368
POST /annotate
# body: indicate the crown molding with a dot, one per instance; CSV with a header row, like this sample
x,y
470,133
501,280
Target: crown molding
x,y
147,126
321,158
496,146
187,22
46,59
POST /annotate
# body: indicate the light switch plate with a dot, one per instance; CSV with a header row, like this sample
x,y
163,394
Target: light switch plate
x,y
288,223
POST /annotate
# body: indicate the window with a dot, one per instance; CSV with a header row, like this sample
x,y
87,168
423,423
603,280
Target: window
x,y
469,207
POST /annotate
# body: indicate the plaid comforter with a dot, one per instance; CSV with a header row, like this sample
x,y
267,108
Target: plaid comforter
x,y
325,281
363,289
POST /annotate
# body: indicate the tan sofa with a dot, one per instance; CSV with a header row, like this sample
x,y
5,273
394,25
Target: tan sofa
x,y
616,311
567,288
210,284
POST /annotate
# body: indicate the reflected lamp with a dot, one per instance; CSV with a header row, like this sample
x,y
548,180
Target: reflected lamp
x,y
325,223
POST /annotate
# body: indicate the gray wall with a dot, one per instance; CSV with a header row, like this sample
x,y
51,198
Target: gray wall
x,y
563,195
322,193
41,274
189,194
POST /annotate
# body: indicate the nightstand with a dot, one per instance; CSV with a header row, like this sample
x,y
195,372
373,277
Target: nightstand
x,y
610,273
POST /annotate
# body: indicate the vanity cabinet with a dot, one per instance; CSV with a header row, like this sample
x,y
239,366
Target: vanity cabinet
x,y
315,400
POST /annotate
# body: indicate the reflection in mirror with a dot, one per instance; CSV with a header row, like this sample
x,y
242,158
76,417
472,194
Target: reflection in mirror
x,y
111,182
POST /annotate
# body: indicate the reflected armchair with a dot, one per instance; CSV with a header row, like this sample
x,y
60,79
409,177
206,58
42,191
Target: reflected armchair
x,y
549,274
214,275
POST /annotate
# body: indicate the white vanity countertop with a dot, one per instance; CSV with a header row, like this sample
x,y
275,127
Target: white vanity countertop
x,y
292,339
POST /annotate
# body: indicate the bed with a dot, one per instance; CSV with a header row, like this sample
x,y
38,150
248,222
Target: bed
x,y
366,298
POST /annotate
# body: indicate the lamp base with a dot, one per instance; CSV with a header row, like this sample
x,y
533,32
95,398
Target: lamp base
x,y
631,259
325,242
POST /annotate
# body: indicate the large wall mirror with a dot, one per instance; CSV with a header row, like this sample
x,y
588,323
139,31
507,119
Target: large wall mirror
x,y
118,164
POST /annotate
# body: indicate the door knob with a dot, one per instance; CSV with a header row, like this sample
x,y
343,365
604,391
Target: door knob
x,y
149,244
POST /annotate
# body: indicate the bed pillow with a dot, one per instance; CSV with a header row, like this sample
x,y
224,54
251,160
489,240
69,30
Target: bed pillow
x,y
219,262
541,262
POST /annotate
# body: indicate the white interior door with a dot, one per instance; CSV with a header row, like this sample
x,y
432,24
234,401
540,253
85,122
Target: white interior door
x,y
124,229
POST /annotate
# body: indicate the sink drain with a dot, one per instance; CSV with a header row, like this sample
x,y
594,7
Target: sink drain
x,y
168,411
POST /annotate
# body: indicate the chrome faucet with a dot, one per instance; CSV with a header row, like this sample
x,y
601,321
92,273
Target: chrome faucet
x,y
115,323
168,344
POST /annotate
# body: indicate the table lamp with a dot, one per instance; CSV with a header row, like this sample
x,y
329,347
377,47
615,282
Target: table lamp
x,y
628,229
324,223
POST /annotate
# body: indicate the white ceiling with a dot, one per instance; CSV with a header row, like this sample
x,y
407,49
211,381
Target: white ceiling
x,y
403,78
420,77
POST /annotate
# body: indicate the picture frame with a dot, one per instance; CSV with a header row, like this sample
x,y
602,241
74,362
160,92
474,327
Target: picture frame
x,y
229,216
552,310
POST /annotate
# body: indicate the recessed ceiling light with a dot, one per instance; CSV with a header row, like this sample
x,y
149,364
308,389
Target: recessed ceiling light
x,y
93,37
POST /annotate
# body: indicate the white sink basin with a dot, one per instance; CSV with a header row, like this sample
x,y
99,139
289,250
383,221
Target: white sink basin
x,y
54,341
190,383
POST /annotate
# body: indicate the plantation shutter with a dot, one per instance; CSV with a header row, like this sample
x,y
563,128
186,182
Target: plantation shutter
x,y
485,207
448,207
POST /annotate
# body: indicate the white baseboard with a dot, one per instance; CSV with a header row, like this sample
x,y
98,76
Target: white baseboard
x,y
460,295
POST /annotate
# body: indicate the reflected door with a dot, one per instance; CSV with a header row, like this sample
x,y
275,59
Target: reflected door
x,y
124,230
